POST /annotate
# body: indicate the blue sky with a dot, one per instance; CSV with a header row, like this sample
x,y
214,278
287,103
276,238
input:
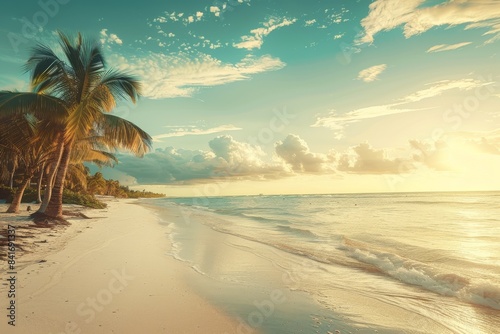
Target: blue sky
x,y
249,96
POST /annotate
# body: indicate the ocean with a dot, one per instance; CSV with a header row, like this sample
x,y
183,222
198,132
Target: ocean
x,y
348,263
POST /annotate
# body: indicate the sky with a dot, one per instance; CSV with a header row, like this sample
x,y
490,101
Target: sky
x,y
246,97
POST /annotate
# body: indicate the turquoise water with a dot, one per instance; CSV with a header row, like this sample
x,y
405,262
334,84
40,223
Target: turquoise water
x,y
395,263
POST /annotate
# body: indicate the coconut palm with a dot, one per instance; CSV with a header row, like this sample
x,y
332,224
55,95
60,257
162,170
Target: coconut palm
x,y
78,87
19,138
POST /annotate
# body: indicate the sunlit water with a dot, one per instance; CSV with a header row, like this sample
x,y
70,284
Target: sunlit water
x,y
415,262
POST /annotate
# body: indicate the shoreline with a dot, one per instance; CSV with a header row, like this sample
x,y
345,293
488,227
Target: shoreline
x,y
104,275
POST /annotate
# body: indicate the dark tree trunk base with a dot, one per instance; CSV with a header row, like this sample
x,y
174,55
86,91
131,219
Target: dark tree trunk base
x,y
43,219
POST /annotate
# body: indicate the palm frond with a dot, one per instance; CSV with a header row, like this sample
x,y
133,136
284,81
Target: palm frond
x,y
40,105
120,133
90,150
122,85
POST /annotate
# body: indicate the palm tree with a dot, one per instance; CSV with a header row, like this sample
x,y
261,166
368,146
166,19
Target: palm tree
x,y
78,86
19,138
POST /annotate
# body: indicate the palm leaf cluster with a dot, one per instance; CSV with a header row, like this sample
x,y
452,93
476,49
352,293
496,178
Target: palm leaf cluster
x,y
65,120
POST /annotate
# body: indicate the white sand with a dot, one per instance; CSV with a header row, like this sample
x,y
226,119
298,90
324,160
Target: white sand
x,y
113,277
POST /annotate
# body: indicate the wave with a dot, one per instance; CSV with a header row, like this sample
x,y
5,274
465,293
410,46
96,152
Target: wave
x,y
412,272
295,230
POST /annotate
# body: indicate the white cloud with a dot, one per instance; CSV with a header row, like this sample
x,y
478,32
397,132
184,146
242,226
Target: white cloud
x,y
109,39
174,17
215,10
337,122
232,160
256,40
371,74
434,155
180,131
227,158
386,15
440,87
295,152
367,160
310,22
484,142
165,76
447,47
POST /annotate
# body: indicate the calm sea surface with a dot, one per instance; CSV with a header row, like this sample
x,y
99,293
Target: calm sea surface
x,y
398,263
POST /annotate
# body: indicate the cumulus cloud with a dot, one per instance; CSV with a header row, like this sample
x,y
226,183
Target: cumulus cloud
x,y
106,38
434,155
227,158
367,160
417,18
166,76
181,131
371,73
295,152
256,40
447,47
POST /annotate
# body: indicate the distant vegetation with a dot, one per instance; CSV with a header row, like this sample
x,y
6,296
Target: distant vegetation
x,y
80,190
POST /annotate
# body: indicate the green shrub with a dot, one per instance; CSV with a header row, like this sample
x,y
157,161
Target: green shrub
x,y
29,195
70,197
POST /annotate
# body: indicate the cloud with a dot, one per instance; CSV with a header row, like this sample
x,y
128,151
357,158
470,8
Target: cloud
x,y
227,159
487,145
14,83
215,10
367,160
447,47
295,152
434,155
256,40
166,76
109,39
416,18
337,122
440,87
484,142
371,73
310,22
190,131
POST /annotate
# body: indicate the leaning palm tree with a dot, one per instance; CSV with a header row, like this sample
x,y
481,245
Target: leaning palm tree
x,y
84,91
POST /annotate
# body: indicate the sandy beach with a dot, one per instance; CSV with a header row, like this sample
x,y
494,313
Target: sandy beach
x,y
108,274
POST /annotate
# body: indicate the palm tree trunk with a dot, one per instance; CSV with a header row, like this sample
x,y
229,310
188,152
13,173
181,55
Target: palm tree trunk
x,y
51,176
16,201
39,185
11,180
54,209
